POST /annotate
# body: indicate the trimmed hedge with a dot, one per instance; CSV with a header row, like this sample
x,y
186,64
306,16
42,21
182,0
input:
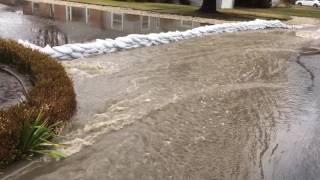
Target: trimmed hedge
x,y
52,93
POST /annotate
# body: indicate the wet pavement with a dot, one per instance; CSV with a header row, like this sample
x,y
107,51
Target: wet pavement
x,y
298,154
233,106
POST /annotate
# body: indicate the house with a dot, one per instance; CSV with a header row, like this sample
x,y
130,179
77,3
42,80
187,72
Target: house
x,y
10,2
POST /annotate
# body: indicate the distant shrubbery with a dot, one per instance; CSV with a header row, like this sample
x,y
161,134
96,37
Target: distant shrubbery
x,y
52,94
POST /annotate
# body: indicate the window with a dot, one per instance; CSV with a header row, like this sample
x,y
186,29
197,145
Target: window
x,y
69,13
186,23
51,9
145,22
117,21
158,23
35,7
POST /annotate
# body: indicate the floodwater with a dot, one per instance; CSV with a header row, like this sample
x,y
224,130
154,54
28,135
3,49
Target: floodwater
x,y
11,90
233,106
299,154
54,23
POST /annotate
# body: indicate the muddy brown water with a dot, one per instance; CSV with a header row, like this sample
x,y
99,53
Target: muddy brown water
x,y
233,106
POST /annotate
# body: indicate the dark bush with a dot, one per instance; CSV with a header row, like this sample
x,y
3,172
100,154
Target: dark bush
x,y
52,93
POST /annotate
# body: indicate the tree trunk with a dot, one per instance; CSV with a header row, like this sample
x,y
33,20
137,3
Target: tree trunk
x,y
209,6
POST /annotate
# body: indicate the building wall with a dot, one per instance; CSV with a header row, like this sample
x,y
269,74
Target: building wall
x,y
132,23
10,2
78,14
60,12
96,18
27,8
45,10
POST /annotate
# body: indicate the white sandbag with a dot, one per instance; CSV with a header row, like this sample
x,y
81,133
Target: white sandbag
x,y
63,49
76,55
99,45
120,45
74,51
126,40
65,57
76,48
87,46
109,50
57,55
108,43
47,50
92,51
29,45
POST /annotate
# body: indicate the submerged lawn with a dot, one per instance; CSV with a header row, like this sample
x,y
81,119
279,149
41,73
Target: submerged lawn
x,y
282,13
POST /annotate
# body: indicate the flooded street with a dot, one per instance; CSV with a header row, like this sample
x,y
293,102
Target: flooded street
x,y
298,154
232,106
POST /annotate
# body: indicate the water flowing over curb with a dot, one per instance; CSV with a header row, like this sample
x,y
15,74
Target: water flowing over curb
x,y
105,46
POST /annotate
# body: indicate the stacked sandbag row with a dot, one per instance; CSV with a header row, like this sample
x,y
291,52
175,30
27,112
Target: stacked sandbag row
x,y
100,46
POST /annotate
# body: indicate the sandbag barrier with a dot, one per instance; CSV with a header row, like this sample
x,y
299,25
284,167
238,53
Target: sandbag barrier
x,y
105,46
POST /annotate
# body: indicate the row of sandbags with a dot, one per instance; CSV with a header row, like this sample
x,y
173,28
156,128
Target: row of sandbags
x,y
100,46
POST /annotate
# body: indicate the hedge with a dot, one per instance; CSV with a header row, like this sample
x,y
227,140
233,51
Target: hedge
x,y
52,93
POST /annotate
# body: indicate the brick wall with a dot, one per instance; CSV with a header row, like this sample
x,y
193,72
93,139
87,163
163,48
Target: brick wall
x,y
60,12
44,10
96,18
10,2
27,8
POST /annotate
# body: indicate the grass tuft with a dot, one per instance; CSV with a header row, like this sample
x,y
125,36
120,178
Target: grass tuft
x,y
35,138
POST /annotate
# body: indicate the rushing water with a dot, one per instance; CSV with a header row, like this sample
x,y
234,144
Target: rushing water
x,y
54,23
231,107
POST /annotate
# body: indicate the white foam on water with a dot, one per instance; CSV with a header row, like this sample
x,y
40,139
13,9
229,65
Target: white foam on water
x,y
105,46
310,34
88,69
114,119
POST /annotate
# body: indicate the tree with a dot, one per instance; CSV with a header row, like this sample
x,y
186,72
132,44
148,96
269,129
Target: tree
x,y
209,6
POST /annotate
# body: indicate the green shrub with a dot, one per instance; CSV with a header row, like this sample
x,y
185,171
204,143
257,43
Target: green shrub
x,y
52,93
35,138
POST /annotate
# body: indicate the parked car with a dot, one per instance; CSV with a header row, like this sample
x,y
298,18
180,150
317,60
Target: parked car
x,y
314,3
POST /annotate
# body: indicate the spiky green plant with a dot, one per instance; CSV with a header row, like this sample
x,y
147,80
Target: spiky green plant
x,y
35,138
